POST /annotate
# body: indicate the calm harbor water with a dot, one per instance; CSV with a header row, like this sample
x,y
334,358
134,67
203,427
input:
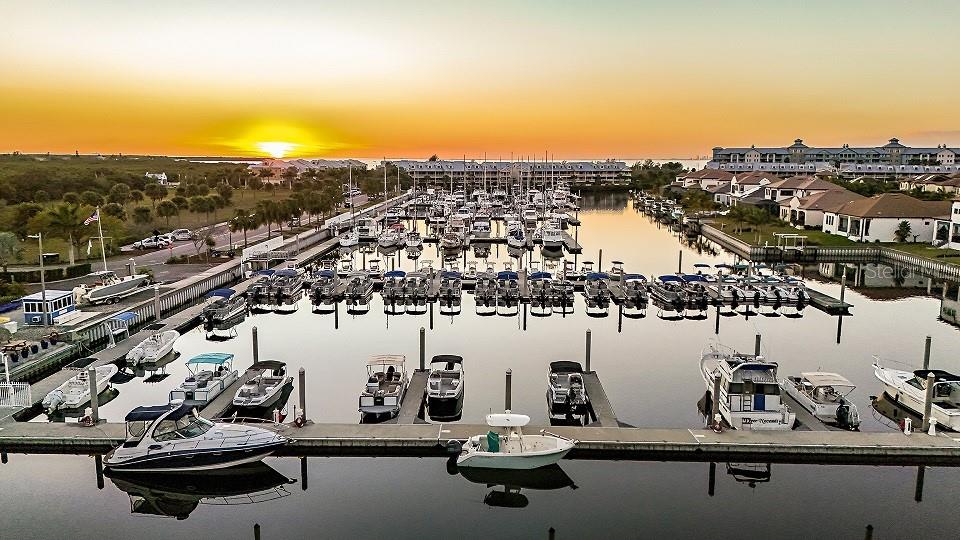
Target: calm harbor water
x,y
649,368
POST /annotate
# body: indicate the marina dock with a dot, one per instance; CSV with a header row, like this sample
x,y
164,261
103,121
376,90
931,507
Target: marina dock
x,y
595,443
601,409
412,406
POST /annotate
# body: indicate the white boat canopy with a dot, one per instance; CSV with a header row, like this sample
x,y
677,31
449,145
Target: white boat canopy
x,y
824,378
507,420
387,359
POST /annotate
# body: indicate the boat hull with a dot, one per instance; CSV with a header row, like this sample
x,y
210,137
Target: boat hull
x,y
892,386
195,461
442,408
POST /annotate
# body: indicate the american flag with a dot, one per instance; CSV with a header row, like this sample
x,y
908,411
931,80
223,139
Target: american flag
x,y
95,216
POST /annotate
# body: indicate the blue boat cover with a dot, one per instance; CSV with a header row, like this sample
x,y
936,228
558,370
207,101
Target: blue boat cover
x,y
394,273
666,278
634,277
222,293
287,272
593,276
152,412
264,272
211,358
693,277
701,265
451,274
326,273
540,275
126,316
507,275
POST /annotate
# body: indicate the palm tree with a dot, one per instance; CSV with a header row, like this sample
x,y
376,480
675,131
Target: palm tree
x,y
168,209
66,222
244,221
266,212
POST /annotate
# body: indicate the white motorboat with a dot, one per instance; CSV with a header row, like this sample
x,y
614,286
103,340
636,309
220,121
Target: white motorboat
x,y
506,447
107,287
445,387
153,348
749,391
481,227
552,236
264,390
175,437
349,238
391,237
516,235
908,389
210,374
824,395
414,240
75,392
386,385
566,392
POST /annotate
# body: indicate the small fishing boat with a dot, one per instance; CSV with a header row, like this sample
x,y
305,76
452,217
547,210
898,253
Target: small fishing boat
x,y
506,447
210,374
153,348
824,395
566,392
349,238
75,392
264,390
175,437
552,236
359,285
287,282
669,289
394,288
386,385
445,387
107,286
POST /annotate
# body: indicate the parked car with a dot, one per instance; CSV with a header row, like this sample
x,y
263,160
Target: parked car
x,y
182,235
294,222
151,242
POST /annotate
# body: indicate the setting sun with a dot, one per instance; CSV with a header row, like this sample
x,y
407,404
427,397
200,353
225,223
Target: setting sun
x,y
276,149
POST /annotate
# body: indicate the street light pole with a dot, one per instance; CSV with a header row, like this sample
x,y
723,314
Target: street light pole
x,y
43,281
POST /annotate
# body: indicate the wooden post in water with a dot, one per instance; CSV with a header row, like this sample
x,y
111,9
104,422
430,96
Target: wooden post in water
x,y
868,534
507,390
94,402
926,353
98,465
712,481
256,346
256,531
600,262
156,303
756,346
423,350
928,402
303,393
303,473
843,285
680,263
918,490
589,345
715,399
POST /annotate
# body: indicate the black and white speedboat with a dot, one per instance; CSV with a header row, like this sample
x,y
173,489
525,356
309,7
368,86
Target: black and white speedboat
x,y
445,387
227,306
264,390
175,437
566,393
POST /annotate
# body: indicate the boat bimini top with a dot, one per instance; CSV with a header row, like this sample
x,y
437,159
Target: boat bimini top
x,y
507,420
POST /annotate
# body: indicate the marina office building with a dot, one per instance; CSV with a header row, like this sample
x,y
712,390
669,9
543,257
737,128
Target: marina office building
x,y
889,160
475,173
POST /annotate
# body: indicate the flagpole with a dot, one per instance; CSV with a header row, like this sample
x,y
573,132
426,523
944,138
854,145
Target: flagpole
x,y
103,250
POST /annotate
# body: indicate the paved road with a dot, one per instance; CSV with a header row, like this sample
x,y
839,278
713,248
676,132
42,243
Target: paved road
x,y
221,235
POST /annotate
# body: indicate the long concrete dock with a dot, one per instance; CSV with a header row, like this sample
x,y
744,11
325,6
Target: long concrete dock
x,y
620,443
599,403
411,408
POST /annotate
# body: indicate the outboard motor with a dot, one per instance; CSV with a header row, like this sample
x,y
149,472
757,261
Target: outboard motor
x,y
848,417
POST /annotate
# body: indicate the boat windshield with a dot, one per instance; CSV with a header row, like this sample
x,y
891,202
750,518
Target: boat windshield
x,y
187,427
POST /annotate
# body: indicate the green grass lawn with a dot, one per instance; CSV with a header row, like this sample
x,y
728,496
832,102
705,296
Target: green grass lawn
x,y
763,235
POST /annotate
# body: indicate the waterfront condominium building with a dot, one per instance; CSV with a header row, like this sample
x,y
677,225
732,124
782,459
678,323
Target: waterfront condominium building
x,y
475,173
891,159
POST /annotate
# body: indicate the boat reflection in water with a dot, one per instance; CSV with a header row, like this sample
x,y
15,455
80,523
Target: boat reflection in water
x,y
508,483
750,474
178,494
223,330
893,414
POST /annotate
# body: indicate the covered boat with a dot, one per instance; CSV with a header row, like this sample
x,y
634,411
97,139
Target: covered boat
x,y
445,387
210,374
566,392
908,389
825,396
386,385
749,390
264,390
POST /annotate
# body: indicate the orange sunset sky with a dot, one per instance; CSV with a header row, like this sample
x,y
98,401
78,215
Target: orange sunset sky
x,y
409,79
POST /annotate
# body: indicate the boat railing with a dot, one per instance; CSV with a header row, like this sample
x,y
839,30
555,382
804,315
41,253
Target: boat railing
x,y
545,432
